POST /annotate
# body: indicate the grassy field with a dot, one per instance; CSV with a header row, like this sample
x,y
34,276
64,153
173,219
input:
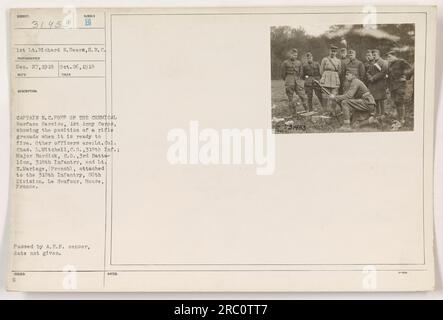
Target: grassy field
x,y
280,109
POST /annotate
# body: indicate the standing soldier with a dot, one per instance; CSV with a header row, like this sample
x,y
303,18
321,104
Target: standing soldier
x,y
344,60
291,72
330,69
357,99
311,72
377,81
368,64
398,72
355,66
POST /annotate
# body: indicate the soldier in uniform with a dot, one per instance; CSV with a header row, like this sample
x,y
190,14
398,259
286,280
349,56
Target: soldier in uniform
x,y
344,60
376,78
398,72
291,72
356,100
311,72
330,69
356,67
367,64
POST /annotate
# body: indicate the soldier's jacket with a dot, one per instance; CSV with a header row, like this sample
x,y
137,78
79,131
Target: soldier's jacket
x,y
357,68
367,65
357,90
311,72
291,71
378,71
330,69
398,72
344,62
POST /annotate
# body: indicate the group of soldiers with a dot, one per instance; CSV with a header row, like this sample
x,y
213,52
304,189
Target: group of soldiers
x,y
348,86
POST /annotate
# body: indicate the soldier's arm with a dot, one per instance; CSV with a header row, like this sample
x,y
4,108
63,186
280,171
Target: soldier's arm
x,y
348,94
385,67
322,66
381,73
409,71
317,66
283,70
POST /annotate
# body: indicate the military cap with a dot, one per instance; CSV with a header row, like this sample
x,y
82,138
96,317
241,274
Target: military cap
x,y
352,51
333,48
308,54
341,49
294,50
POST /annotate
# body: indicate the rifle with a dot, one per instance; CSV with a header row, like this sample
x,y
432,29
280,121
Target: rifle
x,y
334,114
323,88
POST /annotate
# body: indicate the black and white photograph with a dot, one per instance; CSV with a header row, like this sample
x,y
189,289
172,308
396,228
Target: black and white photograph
x,y
342,78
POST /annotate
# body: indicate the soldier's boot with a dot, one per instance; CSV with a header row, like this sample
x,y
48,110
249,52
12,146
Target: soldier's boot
x,y
371,121
293,108
333,107
377,109
309,104
346,126
309,98
320,100
328,106
290,104
382,107
305,101
324,104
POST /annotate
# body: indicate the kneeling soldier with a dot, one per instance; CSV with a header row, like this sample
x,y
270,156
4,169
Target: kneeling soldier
x,y
357,99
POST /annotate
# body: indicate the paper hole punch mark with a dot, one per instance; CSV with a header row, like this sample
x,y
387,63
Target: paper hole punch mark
x,y
70,277
370,18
